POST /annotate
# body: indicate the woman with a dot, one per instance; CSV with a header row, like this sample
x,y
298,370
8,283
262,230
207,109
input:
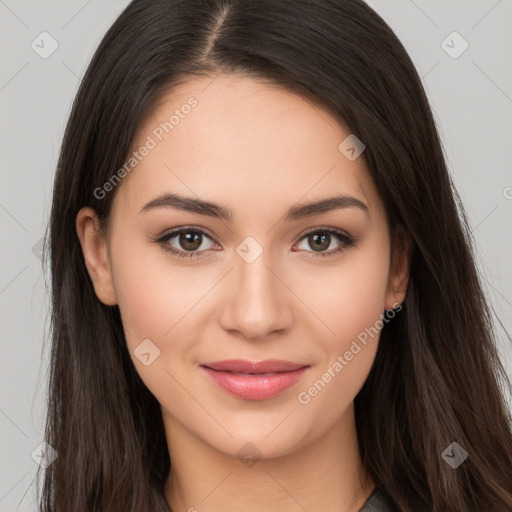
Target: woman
x,y
329,346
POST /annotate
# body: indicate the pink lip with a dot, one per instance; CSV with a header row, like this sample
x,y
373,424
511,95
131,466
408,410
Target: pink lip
x,y
254,380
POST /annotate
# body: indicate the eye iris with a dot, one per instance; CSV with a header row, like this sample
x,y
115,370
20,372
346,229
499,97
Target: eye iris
x,y
324,241
188,240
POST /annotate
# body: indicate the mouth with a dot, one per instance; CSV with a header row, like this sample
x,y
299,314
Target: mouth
x,y
254,380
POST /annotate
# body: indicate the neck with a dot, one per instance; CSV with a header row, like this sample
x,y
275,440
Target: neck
x,y
324,475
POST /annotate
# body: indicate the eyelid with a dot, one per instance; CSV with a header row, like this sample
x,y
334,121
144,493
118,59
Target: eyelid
x,y
179,229
329,229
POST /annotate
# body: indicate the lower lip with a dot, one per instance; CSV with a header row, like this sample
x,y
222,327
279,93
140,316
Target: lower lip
x,y
254,387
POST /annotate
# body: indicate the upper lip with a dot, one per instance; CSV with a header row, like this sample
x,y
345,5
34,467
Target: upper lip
x,y
243,366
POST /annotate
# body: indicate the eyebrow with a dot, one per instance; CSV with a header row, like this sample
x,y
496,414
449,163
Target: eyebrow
x,y
213,210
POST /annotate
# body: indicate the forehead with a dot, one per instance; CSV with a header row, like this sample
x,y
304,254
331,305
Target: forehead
x,y
235,140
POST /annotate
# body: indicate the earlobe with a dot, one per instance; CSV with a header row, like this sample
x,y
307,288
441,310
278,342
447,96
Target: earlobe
x,y
400,269
95,250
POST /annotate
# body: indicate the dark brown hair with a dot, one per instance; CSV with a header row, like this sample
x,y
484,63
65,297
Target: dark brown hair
x,y
437,377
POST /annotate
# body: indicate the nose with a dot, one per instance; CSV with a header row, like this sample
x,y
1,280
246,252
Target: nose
x,y
258,303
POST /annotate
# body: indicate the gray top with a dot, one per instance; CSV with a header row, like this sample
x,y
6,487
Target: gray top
x,y
377,502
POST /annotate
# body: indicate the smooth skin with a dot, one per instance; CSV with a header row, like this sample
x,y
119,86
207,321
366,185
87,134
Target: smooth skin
x,y
256,150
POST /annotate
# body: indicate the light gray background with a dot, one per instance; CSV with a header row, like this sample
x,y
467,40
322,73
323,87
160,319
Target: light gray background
x,y
470,95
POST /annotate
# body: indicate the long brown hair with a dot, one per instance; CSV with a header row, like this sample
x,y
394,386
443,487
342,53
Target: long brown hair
x,y
437,378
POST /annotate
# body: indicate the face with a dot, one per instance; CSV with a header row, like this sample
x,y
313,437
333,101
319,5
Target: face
x,y
258,277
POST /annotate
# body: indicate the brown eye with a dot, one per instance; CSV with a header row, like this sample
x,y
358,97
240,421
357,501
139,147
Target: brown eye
x,y
319,242
321,239
187,242
190,240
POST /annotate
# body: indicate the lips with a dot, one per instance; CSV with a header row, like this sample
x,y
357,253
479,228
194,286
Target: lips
x,y
257,367
258,380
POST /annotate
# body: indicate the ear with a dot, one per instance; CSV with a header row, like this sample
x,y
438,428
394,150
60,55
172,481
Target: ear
x,y
399,270
95,249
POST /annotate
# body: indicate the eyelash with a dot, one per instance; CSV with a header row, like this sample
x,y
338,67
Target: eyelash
x,y
346,240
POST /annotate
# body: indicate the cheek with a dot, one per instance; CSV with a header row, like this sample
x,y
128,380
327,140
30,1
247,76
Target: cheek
x,y
363,302
349,297
351,305
151,294
144,310
160,300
